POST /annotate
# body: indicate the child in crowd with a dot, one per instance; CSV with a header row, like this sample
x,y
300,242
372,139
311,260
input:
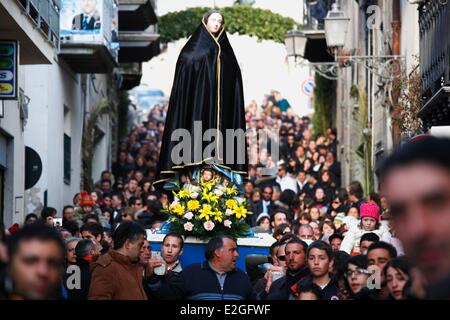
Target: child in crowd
x,y
370,222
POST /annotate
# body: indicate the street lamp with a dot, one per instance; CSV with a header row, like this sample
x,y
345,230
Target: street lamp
x,y
336,27
295,42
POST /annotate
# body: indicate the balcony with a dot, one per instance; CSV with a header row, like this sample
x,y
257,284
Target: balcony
x,y
434,21
138,46
88,46
136,14
35,24
131,75
88,58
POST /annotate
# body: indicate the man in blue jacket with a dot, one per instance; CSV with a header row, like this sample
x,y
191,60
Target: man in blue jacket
x,y
217,278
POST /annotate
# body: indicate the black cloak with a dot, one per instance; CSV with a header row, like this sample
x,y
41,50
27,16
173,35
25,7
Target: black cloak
x,y
207,87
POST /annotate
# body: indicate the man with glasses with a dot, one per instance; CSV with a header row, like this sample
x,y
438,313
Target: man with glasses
x,y
285,181
295,259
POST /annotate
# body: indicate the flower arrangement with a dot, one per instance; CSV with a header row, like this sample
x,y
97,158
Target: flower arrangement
x,y
208,208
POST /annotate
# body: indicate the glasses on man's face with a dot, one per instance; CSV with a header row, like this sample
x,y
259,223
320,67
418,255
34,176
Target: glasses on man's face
x,y
138,204
357,272
282,258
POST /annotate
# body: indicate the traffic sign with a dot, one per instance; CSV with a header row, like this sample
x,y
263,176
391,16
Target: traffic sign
x,y
307,87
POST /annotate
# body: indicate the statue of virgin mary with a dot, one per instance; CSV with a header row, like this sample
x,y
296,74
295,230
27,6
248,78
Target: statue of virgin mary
x,y
205,124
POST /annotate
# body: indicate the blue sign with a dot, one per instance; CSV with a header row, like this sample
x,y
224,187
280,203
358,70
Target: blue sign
x,y
8,69
308,87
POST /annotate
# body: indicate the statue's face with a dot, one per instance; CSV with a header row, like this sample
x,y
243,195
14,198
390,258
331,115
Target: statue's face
x,y
214,22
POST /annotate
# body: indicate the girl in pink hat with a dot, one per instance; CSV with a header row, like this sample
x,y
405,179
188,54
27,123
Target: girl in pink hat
x,y
370,222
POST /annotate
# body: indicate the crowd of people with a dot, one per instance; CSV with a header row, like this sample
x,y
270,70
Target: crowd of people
x,y
331,242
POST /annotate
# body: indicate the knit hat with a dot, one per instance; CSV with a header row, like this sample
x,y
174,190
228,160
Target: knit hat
x,y
370,210
339,219
86,199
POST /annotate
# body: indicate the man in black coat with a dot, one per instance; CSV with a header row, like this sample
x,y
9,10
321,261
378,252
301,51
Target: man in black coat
x,y
86,252
283,288
263,205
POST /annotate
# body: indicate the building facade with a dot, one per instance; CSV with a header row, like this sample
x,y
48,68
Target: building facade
x,y
68,73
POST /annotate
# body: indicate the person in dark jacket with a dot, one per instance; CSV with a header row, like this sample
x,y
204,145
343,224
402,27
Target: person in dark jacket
x,y
282,289
320,261
86,251
217,278
264,205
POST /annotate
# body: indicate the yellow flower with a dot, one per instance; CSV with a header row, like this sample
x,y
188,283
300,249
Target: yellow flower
x,y
230,203
184,194
208,185
231,191
205,212
193,205
218,216
210,197
178,209
240,212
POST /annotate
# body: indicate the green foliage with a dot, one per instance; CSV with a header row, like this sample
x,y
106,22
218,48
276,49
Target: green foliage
x,y
323,94
263,24
90,137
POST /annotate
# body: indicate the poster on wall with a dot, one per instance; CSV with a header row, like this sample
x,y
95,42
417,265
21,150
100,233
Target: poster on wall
x,y
86,21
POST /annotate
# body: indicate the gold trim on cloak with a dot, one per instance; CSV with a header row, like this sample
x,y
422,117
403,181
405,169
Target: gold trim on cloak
x,y
245,174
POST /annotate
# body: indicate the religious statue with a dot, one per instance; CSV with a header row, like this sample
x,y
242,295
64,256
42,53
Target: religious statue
x,y
206,101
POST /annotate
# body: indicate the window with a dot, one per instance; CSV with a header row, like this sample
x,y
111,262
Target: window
x,y
67,145
67,158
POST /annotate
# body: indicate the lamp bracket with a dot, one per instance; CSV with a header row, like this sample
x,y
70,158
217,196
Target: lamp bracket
x,y
384,67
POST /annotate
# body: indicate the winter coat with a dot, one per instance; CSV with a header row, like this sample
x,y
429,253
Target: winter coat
x,y
354,234
115,277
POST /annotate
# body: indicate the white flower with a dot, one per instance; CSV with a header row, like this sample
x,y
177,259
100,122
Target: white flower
x,y
228,212
227,223
208,225
188,226
240,200
189,215
194,195
175,202
218,192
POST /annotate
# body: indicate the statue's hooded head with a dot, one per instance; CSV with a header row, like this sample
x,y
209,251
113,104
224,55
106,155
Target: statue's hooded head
x,y
214,21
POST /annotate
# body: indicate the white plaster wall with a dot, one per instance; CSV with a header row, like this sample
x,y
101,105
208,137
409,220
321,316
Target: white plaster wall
x,y
410,34
50,88
11,126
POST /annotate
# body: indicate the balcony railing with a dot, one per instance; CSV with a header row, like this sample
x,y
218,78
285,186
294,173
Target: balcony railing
x,y
434,21
45,14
